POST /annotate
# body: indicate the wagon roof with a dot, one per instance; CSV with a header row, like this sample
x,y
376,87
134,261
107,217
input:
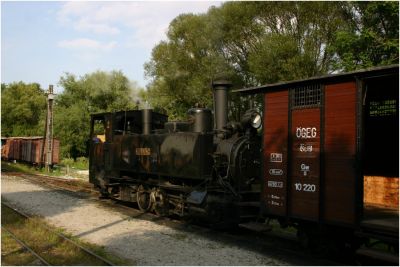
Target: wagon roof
x,y
24,137
376,71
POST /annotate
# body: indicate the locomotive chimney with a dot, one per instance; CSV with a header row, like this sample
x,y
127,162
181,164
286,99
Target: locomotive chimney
x,y
220,90
146,120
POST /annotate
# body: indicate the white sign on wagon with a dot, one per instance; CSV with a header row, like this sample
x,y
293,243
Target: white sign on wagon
x,y
276,157
275,171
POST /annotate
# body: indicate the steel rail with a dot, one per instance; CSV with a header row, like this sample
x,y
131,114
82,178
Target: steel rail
x,y
41,180
24,245
64,237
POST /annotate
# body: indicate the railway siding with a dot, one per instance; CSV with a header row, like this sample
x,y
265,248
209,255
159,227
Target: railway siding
x,y
145,242
57,248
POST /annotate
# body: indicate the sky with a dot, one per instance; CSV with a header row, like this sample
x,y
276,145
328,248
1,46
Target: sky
x,y
41,41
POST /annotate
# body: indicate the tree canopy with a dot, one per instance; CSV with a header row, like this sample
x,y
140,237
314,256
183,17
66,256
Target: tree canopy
x,y
92,93
22,109
372,36
254,43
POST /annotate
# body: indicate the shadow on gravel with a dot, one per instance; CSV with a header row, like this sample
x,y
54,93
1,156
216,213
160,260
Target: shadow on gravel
x,y
106,226
33,202
159,241
180,243
189,247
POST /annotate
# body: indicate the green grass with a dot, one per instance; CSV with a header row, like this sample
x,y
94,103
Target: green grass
x,y
47,244
59,170
12,253
29,169
17,167
80,163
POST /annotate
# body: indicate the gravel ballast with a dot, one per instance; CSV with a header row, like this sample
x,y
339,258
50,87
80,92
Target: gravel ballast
x,y
143,241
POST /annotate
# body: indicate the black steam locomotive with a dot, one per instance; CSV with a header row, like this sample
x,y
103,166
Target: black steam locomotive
x,y
188,168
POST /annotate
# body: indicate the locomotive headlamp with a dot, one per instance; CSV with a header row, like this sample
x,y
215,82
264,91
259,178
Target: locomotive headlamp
x,y
251,119
256,120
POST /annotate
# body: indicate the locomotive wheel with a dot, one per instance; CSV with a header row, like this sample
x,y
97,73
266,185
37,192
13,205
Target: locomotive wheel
x,y
104,193
160,202
143,199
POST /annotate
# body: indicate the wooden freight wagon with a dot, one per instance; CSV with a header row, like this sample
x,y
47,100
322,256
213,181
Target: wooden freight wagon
x,y
14,152
331,149
28,149
5,148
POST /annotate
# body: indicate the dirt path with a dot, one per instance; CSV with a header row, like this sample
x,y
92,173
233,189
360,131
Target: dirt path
x,y
143,241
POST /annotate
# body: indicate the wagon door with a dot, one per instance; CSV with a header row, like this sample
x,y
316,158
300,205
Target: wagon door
x,y
291,147
304,143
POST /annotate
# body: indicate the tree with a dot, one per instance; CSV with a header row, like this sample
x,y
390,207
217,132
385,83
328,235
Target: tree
x,y
23,109
183,68
372,38
296,41
250,42
92,93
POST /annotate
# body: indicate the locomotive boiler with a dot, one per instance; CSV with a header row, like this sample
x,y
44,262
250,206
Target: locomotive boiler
x,y
204,167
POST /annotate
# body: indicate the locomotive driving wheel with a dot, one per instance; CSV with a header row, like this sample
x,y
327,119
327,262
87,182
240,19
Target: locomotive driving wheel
x,y
160,202
143,199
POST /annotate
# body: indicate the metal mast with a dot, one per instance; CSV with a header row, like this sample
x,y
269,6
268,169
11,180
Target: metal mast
x,y
49,129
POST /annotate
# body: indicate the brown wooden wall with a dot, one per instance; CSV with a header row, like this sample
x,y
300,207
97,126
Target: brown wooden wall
x,y
333,167
275,147
382,191
298,194
28,149
340,152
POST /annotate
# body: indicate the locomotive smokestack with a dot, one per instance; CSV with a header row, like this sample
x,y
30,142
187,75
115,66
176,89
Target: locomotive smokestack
x,y
220,90
146,121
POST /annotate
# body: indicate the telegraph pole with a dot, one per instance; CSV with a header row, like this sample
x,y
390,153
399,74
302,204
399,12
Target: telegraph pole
x,y
49,129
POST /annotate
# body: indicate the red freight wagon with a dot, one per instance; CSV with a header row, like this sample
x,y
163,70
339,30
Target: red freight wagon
x,y
331,151
28,149
5,148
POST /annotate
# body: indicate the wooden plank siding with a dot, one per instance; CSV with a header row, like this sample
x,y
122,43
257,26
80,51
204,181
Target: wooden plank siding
x,y
383,191
28,149
276,112
340,152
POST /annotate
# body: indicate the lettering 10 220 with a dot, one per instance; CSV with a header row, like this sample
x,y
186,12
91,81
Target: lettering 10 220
x,y
305,187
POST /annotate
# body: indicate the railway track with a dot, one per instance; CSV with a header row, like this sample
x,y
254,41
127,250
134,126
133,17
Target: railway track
x,y
73,185
97,257
281,243
278,244
25,246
